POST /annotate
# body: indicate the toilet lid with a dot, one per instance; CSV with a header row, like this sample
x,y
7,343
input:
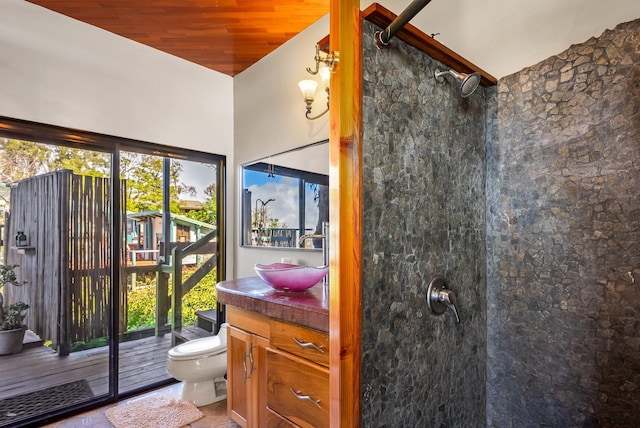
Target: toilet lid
x,y
195,348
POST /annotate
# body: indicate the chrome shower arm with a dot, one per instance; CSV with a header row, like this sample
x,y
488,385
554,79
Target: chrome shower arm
x,y
382,37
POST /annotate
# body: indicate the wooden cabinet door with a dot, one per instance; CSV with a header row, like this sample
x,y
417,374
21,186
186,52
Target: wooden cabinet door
x,y
259,380
247,378
238,376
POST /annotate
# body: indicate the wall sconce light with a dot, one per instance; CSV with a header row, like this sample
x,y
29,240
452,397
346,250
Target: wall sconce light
x,y
308,87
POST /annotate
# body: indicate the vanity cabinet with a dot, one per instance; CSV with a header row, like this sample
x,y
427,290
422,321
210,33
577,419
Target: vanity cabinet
x,y
278,354
278,372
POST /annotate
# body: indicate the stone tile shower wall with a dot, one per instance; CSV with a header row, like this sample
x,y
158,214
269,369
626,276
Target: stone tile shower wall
x,y
563,237
424,214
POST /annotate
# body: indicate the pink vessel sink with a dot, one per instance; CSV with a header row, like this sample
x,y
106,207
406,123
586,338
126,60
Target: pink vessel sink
x,y
284,276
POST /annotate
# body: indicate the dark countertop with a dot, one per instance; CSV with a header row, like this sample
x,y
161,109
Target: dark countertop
x,y
309,308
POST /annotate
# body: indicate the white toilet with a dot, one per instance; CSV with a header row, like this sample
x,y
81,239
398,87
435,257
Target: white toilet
x,y
201,365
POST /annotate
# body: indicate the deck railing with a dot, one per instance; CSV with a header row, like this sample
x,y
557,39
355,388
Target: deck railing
x,y
274,237
203,246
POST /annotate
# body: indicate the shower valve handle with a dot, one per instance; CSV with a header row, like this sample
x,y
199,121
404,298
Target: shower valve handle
x,y
448,297
440,297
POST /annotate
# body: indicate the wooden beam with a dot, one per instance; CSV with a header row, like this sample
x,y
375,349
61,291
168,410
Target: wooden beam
x,y
345,196
382,17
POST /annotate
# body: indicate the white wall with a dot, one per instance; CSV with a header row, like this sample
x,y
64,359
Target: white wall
x,y
505,36
59,71
269,118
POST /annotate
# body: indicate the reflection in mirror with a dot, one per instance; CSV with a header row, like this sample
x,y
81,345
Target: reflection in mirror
x,y
286,196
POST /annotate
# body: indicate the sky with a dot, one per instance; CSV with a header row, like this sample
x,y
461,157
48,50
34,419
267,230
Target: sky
x,y
285,192
198,175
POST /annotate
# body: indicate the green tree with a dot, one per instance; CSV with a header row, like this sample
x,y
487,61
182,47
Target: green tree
x,y
274,223
80,161
143,173
178,188
141,302
208,213
22,159
144,182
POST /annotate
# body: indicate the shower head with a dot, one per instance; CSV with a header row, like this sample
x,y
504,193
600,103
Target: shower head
x,y
468,82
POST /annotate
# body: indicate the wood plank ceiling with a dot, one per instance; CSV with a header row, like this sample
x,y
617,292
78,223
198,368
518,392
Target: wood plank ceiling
x,y
224,35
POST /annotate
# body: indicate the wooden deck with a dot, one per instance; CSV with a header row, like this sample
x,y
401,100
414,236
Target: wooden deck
x,y
142,362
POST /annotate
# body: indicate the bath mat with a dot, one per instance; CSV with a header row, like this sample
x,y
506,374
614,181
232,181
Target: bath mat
x,y
155,411
23,406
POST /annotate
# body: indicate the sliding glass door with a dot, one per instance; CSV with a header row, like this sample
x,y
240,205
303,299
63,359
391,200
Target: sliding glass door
x,y
119,262
171,206
59,201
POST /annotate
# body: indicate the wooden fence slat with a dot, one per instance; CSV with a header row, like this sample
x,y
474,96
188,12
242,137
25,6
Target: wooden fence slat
x,y
66,218
63,247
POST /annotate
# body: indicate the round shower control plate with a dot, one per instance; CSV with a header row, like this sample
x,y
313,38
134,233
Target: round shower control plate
x,y
436,306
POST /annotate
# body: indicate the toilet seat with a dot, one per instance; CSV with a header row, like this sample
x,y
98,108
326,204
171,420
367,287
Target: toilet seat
x,y
206,346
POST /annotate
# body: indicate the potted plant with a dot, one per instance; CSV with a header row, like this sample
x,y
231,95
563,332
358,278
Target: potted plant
x,y
12,326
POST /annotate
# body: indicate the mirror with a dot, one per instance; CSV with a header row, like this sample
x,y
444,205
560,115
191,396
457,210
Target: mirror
x,y
286,196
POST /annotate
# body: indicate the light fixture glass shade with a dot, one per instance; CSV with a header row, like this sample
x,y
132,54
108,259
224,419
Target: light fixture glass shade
x,y
325,75
308,88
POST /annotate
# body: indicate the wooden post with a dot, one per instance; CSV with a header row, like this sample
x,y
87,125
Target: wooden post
x,y
176,294
162,301
64,309
345,196
162,283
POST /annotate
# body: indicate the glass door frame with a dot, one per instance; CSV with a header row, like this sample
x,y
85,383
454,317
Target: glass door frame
x,y
54,135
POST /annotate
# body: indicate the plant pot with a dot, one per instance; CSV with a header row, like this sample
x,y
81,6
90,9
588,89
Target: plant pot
x,y
11,340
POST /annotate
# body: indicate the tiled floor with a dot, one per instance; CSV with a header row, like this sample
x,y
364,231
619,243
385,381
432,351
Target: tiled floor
x,y
215,415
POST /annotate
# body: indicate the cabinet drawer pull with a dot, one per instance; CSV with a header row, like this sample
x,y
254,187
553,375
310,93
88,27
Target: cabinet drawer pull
x,y
303,344
244,367
299,396
248,371
251,359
